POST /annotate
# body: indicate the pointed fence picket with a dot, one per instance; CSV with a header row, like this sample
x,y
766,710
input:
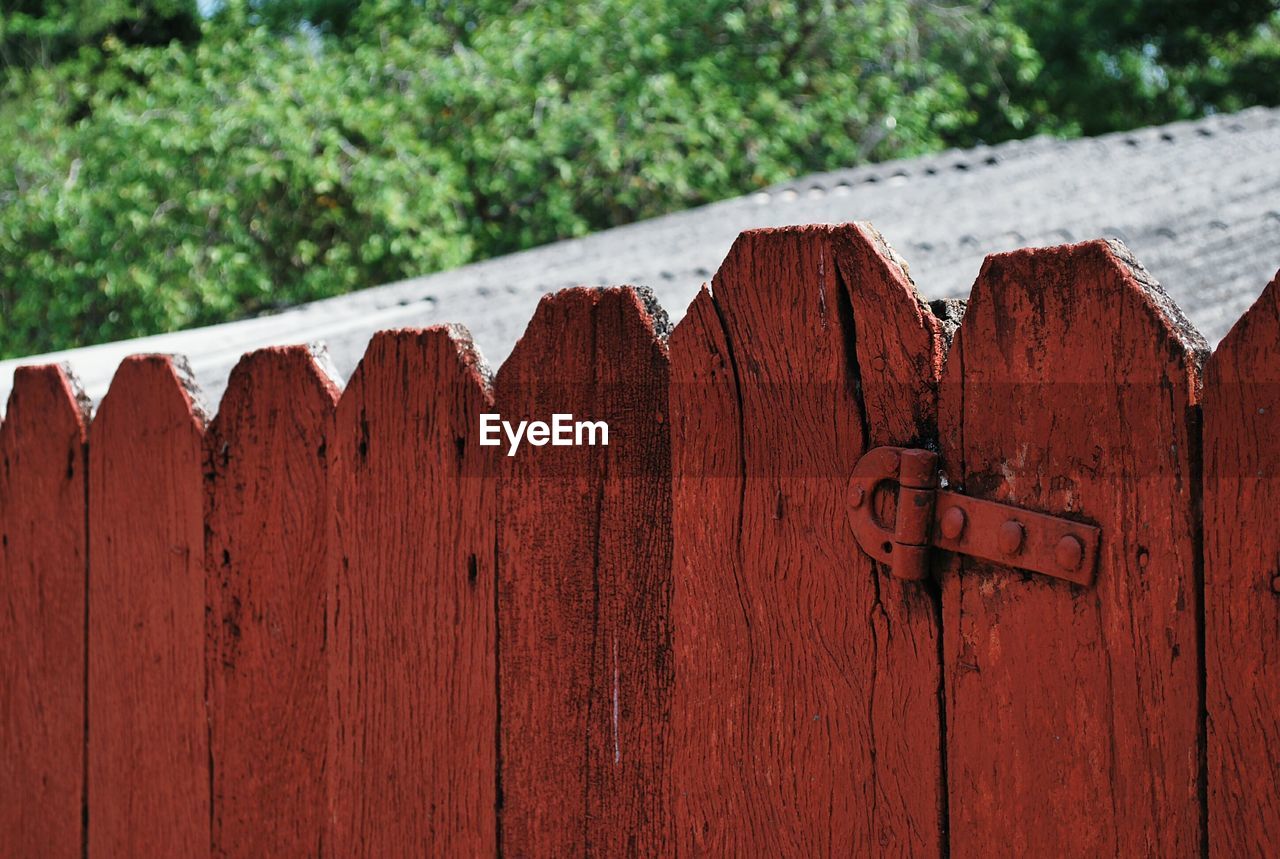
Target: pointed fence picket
x,y
42,614
412,647
1073,711
1242,582
147,722
806,711
584,584
266,523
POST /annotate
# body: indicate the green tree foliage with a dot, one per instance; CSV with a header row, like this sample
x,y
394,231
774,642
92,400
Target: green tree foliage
x,y
164,170
236,182
44,32
1116,64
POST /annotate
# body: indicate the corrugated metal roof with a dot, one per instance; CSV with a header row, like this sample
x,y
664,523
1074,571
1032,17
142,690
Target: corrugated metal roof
x,y
1197,202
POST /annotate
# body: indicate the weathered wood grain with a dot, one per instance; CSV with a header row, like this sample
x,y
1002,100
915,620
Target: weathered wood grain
x,y
1073,712
42,615
1242,582
267,517
806,713
585,583
413,687
148,773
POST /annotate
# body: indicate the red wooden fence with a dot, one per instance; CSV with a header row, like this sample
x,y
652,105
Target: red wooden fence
x,y
334,623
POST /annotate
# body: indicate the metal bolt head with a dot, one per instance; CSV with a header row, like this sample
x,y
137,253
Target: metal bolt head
x,y
1010,536
1069,553
1275,585
953,522
857,496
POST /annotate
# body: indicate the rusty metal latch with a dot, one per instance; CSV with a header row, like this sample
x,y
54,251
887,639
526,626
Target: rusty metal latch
x,y
932,518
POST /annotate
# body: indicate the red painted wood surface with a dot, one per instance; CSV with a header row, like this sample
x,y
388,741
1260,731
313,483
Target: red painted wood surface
x,y
585,583
1072,712
413,688
148,773
346,628
42,610
267,516
806,712
1242,582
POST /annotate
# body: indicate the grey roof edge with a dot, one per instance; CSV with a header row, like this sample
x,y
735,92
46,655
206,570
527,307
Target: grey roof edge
x,y
478,293
988,155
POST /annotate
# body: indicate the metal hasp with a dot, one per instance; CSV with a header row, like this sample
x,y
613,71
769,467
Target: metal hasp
x,y
931,518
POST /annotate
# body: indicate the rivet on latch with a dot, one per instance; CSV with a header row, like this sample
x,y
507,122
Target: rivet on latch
x,y
1069,552
1010,537
953,522
1275,585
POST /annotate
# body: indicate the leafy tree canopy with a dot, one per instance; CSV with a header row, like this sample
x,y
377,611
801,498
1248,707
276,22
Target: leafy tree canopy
x,y
173,164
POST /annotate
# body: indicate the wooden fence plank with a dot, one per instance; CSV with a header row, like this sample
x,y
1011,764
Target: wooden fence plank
x,y
806,712
148,726
413,688
42,613
267,520
584,583
1073,712
1242,582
